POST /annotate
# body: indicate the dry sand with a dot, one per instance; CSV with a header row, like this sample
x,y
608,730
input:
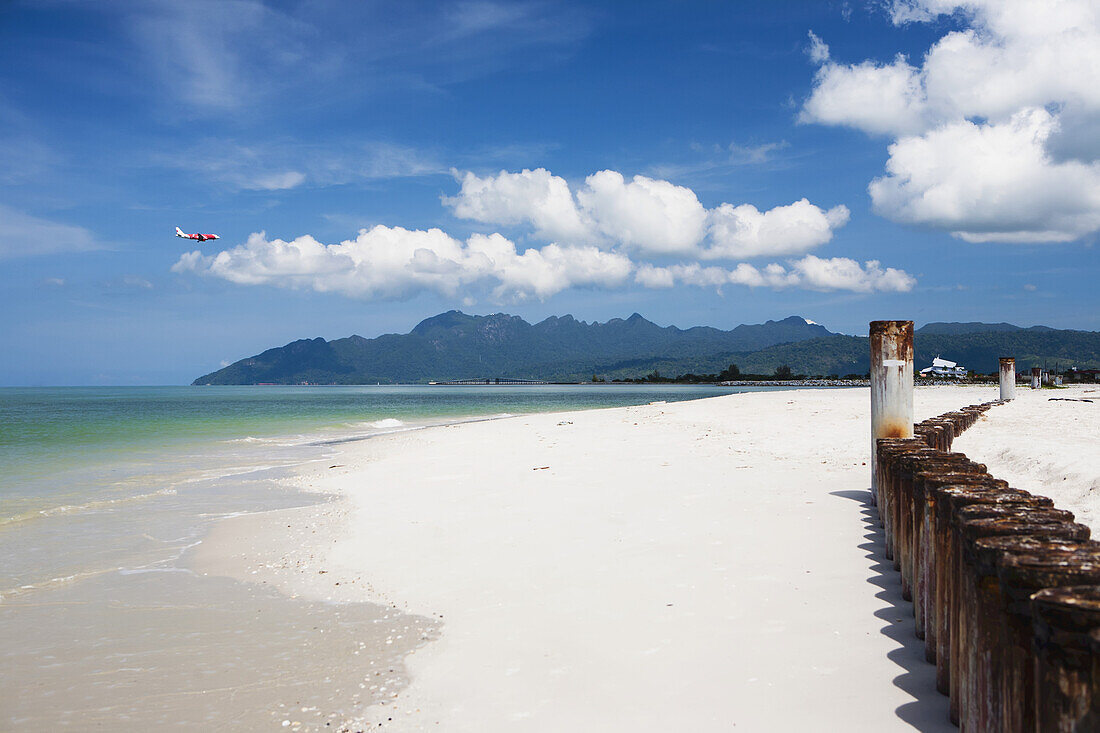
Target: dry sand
x,y
1047,442
690,566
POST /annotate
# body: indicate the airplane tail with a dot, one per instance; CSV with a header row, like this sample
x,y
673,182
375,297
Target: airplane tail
x,y
179,232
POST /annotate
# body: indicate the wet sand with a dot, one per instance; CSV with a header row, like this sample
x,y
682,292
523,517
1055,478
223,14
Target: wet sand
x,y
197,653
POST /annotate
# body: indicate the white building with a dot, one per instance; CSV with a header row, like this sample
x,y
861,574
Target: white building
x,y
943,368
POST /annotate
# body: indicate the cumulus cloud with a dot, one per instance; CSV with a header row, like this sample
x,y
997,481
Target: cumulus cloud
x,y
23,235
1014,54
810,272
744,231
995,128
534,197
876,98
645,214
991,182
393,262
642,215
597,231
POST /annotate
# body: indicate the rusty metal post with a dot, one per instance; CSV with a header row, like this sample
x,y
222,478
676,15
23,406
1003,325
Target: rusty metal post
x,y
1003,662
891,386
948,500
1064,684
1022,575
890,453
976,708
1094,652
968,524
917,550
1008,378
1036,372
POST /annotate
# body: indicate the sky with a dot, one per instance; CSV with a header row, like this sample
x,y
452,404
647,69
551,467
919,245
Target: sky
x,y
370,164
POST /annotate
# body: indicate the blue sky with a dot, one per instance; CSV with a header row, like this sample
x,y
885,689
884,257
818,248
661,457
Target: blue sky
x,y
370,164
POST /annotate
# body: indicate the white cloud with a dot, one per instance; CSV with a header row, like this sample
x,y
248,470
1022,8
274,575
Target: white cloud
x,y
534,197
818,50
876,98
22,235
996,128
644,215
596,228
549,270
992,182
812,273
739,232
393,262
1015,54
651,276
841,273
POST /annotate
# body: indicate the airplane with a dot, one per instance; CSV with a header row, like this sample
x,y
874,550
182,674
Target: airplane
x,y
196,237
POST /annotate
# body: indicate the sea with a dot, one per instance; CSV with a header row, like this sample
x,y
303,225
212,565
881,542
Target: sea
x,y
104,491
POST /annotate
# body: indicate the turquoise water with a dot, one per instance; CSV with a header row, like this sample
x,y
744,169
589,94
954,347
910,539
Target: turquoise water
x,y
46,432
83,464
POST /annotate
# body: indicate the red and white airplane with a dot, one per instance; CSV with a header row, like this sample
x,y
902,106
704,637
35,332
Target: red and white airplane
x,y
196,237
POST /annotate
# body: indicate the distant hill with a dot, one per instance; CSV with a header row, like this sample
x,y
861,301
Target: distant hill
x,y
454,345
977,351
954,329
951,329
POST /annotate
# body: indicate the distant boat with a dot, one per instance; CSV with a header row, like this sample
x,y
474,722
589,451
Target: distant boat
x,y
943,368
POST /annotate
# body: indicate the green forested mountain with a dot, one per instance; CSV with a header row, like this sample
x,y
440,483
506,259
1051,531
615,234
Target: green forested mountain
x,y
455,345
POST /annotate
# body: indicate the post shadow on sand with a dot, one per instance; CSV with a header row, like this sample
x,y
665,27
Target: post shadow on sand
x,y
928,711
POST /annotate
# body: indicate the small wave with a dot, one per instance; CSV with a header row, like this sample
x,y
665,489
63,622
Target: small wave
x,y
389,422
143,571
90,506
9,593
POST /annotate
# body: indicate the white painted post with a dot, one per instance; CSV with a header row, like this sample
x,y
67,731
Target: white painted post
x,y
1008,378
1035,373
891,387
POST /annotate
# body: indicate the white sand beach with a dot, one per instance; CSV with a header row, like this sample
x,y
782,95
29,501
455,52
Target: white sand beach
x,y
694,566
1045,441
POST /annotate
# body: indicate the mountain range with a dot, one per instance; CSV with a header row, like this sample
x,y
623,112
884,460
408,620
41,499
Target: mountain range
x,y
454,345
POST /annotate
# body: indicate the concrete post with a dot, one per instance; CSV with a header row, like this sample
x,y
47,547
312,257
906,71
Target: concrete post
x,y
1035,373
891,386
1008,378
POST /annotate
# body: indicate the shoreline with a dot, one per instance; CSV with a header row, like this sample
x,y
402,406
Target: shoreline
x,y
624,547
